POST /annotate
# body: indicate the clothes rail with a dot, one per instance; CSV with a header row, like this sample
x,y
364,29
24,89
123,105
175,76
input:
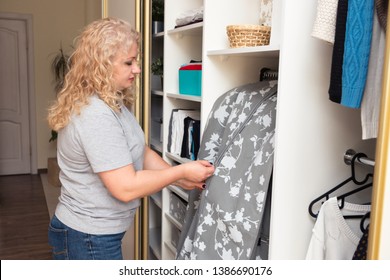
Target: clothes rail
x,y
362,160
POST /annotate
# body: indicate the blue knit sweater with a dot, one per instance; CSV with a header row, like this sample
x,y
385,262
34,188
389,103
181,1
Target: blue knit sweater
x,y
356,51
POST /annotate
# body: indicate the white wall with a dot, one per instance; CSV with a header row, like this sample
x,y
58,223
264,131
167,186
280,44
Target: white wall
x,y
123,9
54,22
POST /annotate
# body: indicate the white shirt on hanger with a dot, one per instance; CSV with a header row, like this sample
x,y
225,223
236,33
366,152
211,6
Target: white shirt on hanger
x,y
334,237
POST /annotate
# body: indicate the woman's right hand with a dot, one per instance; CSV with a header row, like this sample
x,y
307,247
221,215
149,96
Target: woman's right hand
x,y
196,173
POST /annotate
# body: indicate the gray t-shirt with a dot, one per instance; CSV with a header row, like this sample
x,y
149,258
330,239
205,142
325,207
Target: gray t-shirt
x,y
97,140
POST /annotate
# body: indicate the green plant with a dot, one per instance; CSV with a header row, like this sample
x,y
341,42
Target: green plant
x,y
157,66
54,136
59,67
157,10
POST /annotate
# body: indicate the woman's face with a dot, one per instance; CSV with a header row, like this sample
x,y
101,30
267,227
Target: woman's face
x,y
126,67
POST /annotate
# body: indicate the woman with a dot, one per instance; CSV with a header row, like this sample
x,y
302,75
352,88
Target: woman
x,y
105,166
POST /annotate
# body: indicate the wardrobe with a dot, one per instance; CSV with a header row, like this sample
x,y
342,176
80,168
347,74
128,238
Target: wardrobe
x,y
312,133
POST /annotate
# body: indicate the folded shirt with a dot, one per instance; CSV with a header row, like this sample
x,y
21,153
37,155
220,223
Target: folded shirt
x,y
189,17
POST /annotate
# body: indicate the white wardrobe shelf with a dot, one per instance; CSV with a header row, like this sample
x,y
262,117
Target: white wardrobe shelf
x,y
176,158
191,29
170,247
157,92
174,221
261,51
159,35
180,192
185,97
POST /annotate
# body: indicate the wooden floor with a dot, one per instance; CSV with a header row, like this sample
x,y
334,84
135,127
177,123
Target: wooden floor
x,y
24,219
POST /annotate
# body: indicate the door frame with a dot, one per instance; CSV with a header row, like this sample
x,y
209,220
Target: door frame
x,y
28,21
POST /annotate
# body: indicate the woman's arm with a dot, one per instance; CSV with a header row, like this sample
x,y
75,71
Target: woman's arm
x,y
126,184
152,161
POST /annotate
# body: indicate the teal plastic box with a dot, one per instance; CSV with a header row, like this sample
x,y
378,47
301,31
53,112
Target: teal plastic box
x,y
190,82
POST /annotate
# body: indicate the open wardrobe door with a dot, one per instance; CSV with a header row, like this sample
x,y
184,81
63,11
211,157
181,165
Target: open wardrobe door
x,y
379,236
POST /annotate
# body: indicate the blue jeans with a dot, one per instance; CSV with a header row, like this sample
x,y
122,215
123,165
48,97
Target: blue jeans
x,y
70,244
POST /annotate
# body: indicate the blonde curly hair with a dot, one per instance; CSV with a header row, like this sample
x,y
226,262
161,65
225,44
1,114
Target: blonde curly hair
x,y
91,70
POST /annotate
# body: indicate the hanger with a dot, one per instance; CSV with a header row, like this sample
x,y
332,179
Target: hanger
x,y
363,220
267,74
353,178
342,197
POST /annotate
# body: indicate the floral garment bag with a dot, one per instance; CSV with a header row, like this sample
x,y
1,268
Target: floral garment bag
x,y
224,221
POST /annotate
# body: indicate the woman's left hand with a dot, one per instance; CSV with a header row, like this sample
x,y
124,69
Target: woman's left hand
x,y
189,185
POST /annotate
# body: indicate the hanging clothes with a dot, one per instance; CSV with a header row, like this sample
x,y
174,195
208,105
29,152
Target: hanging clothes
x,y
356,51
176,129
224,221
361,250
357,60
325,22
382,7
338,52
353,41
334,237
373,90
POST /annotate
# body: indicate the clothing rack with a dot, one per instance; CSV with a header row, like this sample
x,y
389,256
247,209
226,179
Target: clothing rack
x,y
362,160
350,158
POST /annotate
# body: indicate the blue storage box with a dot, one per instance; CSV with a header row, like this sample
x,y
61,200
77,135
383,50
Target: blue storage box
x,y
190,79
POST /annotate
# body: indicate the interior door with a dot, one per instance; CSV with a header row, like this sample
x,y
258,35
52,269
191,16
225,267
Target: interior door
x,y
15,155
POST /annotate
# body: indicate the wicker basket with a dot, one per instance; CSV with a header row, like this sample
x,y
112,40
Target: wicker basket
x,y
248,35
